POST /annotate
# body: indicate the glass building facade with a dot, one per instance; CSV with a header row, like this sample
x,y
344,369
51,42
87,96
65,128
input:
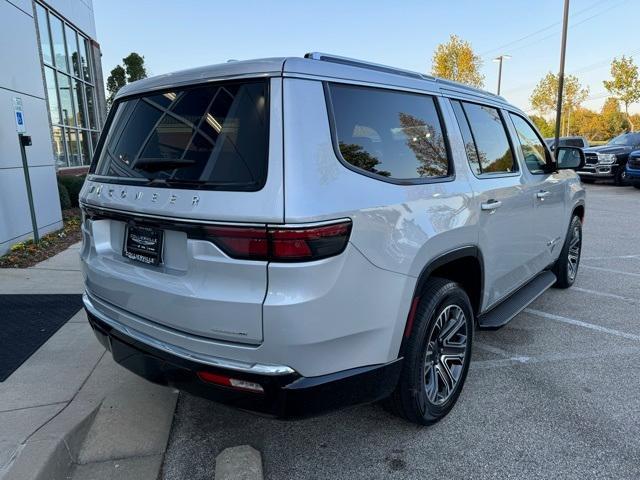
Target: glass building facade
x,y
69,74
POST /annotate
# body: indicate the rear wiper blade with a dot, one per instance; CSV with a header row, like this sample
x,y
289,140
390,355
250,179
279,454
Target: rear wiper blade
x,y
158,164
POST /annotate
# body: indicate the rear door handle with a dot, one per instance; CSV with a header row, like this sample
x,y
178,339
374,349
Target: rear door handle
x,y
491,205
542,194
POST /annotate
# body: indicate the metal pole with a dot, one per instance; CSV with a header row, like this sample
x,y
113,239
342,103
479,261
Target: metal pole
x,y
563,48
27,179
499,73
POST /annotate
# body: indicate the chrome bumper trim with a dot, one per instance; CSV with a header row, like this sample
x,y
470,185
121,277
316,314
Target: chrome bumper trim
x,y
586,173
256,368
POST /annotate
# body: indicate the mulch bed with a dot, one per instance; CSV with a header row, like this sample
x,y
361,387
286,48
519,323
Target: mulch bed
x,y
27,254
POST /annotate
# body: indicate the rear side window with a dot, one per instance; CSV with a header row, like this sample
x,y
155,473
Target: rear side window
x,y
207,136
389,134
487,132
573,142
533,149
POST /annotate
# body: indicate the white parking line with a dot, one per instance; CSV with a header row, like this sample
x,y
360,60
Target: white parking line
x,y
498,351
619,272
580,323
614,257
603,294
552,357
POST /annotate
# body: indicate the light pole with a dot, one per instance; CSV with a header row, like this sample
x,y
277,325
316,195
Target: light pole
x,y
563,48
499,60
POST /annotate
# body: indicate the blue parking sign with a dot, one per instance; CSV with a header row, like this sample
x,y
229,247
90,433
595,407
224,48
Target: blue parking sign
x,y
17,108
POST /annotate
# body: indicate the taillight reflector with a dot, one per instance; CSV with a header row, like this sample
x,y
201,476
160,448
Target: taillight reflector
x,y
281,244
410,318
230,382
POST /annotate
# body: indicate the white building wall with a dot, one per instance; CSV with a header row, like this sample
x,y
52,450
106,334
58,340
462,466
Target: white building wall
x,y
21,76
77,12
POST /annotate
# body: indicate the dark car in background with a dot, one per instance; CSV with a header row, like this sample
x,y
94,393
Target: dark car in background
x,y
570,141
609,161
632,170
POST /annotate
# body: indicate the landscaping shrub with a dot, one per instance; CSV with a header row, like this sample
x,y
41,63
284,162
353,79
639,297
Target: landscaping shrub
x,y
63,192
73,185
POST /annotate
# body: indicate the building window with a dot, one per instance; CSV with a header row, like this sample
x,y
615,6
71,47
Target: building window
x,y
71,90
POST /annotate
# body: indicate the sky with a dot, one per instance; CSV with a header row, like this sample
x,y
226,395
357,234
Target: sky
x,y
177,34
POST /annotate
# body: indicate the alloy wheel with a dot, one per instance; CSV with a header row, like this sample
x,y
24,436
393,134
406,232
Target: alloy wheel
x,y
446,354
573,256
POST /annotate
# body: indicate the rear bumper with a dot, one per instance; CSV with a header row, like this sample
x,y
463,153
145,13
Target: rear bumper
x,y
286,394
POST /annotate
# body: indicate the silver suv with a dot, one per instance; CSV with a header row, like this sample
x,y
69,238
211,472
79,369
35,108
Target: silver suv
x,y
294,235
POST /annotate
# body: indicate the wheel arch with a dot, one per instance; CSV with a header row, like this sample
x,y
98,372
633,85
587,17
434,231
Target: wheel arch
x,y
464,265
578,210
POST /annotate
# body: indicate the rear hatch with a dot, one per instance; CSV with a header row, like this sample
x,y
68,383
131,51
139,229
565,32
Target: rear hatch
x,y
174,167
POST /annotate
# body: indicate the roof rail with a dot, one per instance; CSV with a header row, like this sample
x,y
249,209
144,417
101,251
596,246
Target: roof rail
x,y
326,57
462,86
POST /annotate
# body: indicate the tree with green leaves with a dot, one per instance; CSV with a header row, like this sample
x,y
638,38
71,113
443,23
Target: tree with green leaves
x,y
624,84
133,70
456,60
612,121
545,97
115,81
134,66
545,127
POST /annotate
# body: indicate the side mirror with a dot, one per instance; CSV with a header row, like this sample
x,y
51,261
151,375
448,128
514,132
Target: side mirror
x,y
569,158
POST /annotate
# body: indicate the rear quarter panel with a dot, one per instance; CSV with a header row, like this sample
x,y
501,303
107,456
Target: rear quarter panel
x,y
399,229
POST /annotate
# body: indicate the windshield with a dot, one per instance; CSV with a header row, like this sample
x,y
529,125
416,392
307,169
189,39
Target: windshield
x,y
206,136
628,139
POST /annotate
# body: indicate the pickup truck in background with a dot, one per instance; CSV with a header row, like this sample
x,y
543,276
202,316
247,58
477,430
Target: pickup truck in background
x,y
571,141
609,161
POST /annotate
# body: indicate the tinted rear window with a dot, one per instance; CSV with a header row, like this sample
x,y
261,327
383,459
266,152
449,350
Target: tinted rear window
x,y
572,142
388,133
207,136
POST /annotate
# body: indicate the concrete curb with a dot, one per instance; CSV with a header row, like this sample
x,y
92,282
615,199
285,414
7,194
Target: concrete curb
x,y
48,457
239,463
100,433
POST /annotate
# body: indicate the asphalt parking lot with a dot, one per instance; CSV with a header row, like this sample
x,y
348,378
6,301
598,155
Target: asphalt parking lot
x,y
554,394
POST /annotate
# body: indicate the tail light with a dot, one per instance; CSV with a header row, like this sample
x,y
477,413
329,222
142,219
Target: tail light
x,y
278,244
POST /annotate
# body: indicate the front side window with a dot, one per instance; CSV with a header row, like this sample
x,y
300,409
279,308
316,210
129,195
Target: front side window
x,y
389,134
533,149
214,136
489,135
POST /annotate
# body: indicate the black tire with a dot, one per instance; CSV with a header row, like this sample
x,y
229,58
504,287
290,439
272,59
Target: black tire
x,y
637,185
620,178
440,306
566,274
588,180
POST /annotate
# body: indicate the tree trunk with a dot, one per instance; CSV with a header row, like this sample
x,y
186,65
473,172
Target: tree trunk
x,y
626,110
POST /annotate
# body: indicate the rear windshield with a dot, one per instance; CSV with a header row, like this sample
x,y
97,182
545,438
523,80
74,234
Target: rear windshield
x,y
212,136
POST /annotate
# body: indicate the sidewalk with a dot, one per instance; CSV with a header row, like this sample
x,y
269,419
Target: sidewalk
x,y
69,411
59,274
